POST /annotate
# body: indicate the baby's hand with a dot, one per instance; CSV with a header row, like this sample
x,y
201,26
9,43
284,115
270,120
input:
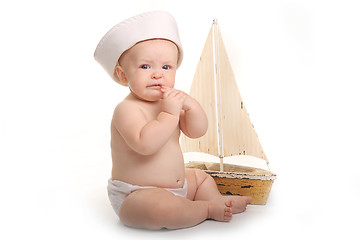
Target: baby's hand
x,y
173,101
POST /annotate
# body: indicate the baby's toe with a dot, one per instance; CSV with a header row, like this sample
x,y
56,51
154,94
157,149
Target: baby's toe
x,y
229,203
228,214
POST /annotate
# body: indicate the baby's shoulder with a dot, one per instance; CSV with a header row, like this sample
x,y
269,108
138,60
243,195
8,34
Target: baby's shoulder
x,y
128,110
127,107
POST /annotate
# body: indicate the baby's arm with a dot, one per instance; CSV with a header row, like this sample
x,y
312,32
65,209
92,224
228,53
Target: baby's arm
x,y
193,120
145,137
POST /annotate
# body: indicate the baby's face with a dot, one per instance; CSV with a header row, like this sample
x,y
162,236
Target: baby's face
x,y
148,66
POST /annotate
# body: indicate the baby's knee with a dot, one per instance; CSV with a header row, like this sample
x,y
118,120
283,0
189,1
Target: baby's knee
x,y
135,211
147,209
161,211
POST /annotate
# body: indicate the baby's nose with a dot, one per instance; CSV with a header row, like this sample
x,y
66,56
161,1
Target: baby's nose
x,y
156,75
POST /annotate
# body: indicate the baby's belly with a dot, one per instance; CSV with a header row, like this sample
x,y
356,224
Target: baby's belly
x,y
165,170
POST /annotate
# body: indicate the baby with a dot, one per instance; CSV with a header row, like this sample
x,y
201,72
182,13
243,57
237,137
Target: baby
x,y
150,187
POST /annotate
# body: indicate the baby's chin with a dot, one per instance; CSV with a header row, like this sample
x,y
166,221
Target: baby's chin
x,y
153,97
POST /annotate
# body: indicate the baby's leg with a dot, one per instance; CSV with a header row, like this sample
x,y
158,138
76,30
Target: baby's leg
x,y
202,187
157,208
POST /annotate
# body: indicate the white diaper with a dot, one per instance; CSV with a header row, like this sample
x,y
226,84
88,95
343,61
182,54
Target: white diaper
x,y
118,191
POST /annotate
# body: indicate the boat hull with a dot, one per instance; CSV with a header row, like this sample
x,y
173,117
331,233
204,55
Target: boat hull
x,y
239,180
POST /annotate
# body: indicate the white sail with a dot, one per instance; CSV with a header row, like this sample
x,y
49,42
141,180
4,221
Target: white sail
x,y
203,90
230,131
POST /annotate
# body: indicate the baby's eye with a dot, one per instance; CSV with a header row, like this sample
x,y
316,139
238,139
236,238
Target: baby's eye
x,y
145,66
166,67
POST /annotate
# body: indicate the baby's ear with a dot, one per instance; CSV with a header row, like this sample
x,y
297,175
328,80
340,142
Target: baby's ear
x,y
119,72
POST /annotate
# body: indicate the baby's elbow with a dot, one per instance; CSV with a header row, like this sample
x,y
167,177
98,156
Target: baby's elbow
x,y
140,146
197,132
144,150
201,129
147,152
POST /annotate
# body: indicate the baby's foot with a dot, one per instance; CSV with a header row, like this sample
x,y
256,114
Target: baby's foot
x,y
239,203
220,209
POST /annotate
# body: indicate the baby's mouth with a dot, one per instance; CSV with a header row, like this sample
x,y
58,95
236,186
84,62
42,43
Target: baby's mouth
x,y
156,86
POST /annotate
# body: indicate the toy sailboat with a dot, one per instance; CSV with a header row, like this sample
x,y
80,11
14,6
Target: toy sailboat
x,y
230,131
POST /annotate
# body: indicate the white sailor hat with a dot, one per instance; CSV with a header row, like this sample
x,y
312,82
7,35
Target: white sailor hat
x,y
121,37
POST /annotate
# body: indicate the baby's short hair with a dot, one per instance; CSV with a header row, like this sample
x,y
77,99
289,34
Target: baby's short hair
x,y
123,36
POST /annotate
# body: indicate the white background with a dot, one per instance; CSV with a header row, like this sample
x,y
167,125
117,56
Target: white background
x,y
297,68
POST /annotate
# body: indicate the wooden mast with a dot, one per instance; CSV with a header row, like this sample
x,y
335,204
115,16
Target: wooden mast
x,y
218,92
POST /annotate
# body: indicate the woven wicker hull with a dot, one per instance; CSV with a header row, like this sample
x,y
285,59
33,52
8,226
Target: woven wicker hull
x,y
259,190
239,180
